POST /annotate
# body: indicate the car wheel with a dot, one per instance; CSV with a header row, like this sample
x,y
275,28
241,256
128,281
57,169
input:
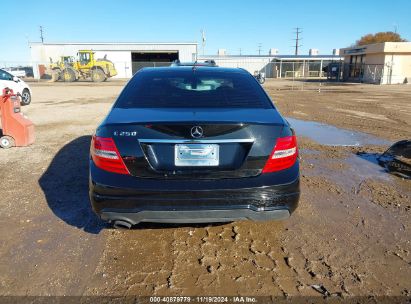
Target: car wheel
x,y
6,142
25,97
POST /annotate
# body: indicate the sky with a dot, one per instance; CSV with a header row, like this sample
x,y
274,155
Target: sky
x,y
232,25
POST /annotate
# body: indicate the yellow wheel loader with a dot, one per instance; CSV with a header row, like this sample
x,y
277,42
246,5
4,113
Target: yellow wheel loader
x,y
58,67
85,67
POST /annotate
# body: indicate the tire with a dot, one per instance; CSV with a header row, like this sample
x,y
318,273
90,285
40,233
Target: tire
x,y
25,97
261,80
7,142
98,75
68,75
55,75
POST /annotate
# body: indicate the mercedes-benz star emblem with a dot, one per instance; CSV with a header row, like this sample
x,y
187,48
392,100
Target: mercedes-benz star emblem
x,y
197,132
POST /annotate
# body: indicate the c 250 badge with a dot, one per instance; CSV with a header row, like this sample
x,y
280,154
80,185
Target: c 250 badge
x,y
125,133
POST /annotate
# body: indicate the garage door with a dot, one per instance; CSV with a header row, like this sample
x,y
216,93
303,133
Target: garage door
x,y
140,60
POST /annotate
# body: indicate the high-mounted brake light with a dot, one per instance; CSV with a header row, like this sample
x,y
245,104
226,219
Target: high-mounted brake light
x,y
283,156
105,155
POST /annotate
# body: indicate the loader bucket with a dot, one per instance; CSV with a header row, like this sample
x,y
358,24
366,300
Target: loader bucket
x,y
397,159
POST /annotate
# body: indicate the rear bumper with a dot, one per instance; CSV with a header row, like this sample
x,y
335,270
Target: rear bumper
x,y
195,216
135,200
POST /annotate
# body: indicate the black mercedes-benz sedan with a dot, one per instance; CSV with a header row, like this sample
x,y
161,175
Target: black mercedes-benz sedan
x,y
190,144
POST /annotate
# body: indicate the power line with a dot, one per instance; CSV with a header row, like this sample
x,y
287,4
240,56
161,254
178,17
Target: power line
x,y
297,39
41,34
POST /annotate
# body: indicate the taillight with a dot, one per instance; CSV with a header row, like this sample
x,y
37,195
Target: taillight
x,y
283,156
105,155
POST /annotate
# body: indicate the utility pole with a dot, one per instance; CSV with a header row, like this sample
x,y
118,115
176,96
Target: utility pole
x,y
41,34
259,48
240,50
203,40
297,39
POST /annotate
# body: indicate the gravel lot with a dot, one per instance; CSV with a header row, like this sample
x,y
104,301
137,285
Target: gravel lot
x,y
351,233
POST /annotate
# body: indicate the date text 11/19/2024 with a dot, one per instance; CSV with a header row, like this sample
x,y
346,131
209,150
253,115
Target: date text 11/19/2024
x,y
203,299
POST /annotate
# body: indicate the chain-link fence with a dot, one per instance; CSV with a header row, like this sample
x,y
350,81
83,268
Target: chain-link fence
x,y
295,69
368,73
315,68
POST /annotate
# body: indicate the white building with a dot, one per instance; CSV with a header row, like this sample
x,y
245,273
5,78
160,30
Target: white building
x,y
128,58
381,63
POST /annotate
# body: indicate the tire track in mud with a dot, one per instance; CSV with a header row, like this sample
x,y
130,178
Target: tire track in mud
x,y
364,269
198,260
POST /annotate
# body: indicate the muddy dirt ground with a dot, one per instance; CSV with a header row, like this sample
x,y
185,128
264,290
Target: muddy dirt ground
x,y
351,233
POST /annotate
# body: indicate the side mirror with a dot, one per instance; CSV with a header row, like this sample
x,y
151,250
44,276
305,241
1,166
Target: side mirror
x,y
16,79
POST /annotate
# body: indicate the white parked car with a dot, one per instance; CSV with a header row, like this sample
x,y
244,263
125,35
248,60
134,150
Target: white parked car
x,y
16,72
18,86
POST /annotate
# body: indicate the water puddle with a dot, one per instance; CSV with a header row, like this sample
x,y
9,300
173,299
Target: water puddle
x,y
307,151
366,166
348,172
353,169
332,136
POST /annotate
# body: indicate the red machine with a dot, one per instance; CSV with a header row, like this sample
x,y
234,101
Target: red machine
x,y
16,129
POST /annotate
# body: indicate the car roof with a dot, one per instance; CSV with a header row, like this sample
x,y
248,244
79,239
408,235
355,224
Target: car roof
x,y
204,68
194,63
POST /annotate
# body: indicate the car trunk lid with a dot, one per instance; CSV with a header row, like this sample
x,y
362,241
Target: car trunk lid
x,y
163,143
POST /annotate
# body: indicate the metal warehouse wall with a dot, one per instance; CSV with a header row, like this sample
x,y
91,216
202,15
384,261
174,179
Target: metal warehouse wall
x,y
118,53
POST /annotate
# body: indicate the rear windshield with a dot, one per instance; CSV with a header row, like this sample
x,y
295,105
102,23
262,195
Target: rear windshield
x,y
186,88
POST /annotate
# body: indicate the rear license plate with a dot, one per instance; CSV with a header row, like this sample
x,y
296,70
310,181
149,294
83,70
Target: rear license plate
x,y
196,155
